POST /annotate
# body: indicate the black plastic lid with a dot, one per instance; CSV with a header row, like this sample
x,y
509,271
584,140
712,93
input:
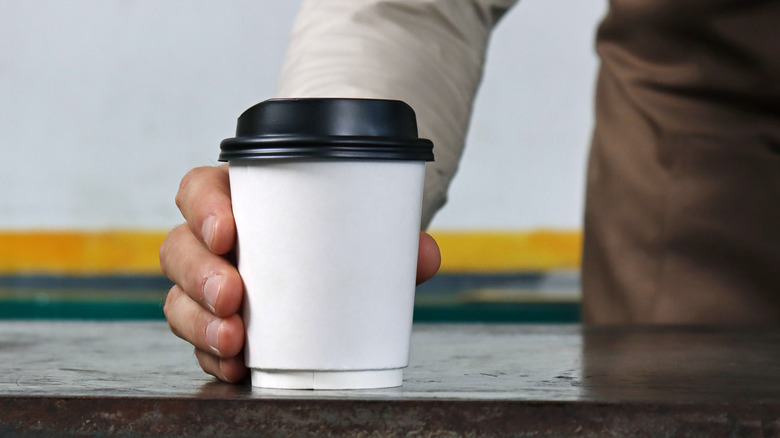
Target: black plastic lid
x,y
327,128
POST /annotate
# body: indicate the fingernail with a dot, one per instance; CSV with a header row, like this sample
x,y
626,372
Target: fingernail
x,y
211,291
208,229
212,334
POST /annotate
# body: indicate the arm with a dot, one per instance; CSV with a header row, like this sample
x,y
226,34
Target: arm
x,y
428,53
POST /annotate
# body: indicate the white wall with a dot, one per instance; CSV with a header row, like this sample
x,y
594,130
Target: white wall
x,y
104,105
524,165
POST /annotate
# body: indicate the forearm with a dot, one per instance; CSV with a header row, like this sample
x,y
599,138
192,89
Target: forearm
x,y
428,53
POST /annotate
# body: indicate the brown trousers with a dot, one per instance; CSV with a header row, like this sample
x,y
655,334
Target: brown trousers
x,y
682,220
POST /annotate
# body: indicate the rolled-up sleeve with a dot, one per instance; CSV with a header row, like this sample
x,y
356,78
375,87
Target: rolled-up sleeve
x,y
428,53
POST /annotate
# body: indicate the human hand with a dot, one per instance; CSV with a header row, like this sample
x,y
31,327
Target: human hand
x,y
203,305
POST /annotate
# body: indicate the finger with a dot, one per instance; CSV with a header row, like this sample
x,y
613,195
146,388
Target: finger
x,y
204,201
223,337
208,279
428,258
231,369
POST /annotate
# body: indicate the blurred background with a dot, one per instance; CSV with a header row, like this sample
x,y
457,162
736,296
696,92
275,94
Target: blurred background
x,y
105,105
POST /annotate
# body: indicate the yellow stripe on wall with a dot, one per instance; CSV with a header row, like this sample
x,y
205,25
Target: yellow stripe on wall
x,y
135,252
80,253
493,252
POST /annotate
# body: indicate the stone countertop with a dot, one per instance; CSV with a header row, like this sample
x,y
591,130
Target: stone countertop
x,y
137,379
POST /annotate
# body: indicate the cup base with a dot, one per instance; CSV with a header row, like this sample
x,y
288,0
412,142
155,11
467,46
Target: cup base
x,y
283,379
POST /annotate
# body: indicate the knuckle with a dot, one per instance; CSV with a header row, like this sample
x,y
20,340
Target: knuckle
x,y
172,328
169,309
207,363
187,181
164,252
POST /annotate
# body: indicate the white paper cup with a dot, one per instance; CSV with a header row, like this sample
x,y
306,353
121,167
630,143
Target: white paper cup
x,y
327,249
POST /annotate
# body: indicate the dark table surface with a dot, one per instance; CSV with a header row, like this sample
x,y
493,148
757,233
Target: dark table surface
x,y
137,379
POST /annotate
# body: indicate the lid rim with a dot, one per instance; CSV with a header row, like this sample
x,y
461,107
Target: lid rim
x,y
346,152
292,140
327,128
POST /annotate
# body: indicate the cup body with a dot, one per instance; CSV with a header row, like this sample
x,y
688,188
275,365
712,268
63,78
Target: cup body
x,y
327,249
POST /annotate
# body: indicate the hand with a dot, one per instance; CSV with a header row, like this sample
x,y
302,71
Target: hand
x,y
203,305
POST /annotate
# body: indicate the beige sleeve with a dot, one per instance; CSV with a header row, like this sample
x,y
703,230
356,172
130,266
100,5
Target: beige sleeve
x,y
428,53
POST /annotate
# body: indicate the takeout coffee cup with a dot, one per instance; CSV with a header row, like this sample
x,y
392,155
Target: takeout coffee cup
x,y
327,197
